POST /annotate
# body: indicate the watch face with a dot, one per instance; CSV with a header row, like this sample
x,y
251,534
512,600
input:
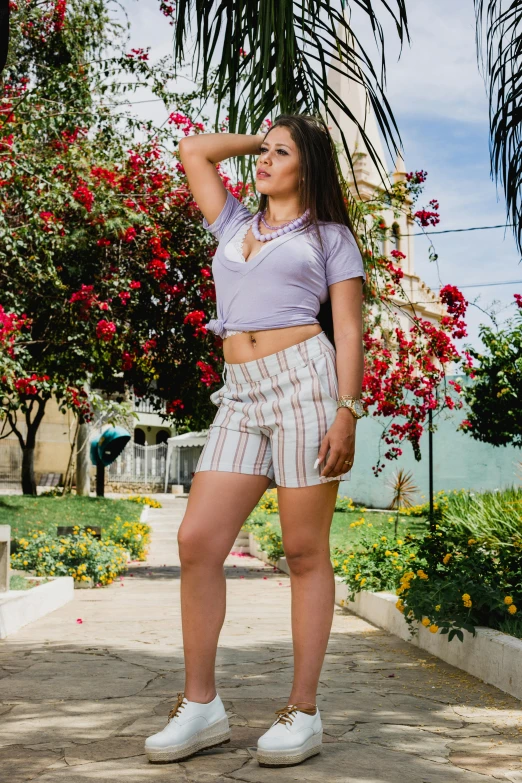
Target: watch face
x,y
358,407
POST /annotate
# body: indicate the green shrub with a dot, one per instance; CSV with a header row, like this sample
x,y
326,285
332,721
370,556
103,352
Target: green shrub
x,y
344,503
376,562
133,536
79,555
465,583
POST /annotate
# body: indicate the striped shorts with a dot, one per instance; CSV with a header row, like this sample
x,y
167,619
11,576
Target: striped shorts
x,y
273,414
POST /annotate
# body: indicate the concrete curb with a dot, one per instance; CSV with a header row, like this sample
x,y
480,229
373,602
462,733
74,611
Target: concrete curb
x,y
21,607
144,513
491,656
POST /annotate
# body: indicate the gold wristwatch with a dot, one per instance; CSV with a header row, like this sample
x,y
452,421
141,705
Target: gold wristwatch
x,y
355,405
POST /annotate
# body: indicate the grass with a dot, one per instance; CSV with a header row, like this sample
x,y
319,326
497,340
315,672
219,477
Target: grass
x,y
26,513
342,535
19,582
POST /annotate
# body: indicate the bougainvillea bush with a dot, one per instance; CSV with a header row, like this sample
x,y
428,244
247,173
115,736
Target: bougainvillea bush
x,y
104,264
105,268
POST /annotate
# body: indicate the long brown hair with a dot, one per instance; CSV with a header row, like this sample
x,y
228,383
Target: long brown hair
x,y
320,188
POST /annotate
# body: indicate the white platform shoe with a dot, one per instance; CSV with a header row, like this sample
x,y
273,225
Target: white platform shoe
x,y
191,726
295,735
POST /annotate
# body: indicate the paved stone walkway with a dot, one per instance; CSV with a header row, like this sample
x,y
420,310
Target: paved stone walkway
x,y
79,699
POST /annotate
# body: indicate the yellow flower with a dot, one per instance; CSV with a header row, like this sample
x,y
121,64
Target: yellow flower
x,y
471,541
467,604
447,558
437,608
512,609
400,542
383,538
387,552
421,574
357,576
433,628
25,562
363,581
375,546
508,600
426,621
466,597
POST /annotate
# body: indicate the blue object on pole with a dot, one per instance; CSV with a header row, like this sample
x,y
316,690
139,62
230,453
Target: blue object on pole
x,y
109,445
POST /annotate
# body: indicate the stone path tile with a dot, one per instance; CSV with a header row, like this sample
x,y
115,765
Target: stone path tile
x,y
77,700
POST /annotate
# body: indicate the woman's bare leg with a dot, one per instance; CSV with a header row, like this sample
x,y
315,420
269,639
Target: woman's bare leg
x,y
306,516
218,504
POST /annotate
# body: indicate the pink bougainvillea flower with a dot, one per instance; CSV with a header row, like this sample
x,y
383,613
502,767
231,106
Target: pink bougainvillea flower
x,y
105,330
79,620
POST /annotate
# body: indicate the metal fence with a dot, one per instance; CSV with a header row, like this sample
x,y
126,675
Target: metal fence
x,y
139,464
10,464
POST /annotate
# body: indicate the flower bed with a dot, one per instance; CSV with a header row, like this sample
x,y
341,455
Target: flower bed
x,y
80,554
463,573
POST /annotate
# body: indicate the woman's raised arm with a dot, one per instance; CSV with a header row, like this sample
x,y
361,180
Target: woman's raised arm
x,y
199,155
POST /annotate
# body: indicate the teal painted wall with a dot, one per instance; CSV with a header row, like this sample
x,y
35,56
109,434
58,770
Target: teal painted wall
x,y
458,462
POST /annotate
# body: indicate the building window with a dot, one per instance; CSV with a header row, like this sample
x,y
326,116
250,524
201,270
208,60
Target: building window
x,y
381,240
162,437
139,436
396,237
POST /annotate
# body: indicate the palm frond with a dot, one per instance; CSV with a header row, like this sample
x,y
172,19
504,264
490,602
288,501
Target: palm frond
x,y
502,69
289,45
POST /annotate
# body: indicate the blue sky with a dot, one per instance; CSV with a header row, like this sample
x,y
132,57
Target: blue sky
x,y
440,104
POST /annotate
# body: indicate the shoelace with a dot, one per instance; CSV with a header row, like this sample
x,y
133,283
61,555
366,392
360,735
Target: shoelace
x,y
177,707
287,714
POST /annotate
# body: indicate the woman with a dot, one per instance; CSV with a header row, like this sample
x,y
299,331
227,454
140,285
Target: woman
x,y
280,420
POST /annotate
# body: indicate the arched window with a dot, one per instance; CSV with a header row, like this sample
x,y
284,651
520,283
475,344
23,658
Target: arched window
x,y
139,436
161,437
396,237
381,239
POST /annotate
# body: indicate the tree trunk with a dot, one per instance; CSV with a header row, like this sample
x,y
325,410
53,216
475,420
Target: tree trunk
x,y
28,477
83,465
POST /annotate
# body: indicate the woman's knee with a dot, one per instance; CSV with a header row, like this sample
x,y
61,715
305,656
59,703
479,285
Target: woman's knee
x,y
304,559
193,544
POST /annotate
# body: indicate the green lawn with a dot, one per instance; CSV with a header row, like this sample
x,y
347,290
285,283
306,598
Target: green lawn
x,y
25,513
342,535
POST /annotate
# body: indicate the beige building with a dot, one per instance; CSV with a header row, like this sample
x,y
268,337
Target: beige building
x,y
419,298
56,436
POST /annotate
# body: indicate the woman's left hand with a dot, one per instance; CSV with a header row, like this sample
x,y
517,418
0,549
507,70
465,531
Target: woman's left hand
x,y
339,441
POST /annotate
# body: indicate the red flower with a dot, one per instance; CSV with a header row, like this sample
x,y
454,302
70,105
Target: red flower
x,y
518,299
59,15
84,196
124,297
209,375
105,330
195,318
157,268
174,405
134,284
127,361
129,235
103,242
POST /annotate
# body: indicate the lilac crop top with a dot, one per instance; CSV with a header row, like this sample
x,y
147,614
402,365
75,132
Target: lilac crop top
x,y
285,282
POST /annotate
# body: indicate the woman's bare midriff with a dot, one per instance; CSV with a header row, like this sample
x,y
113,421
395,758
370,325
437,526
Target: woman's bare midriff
x,y
245,347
